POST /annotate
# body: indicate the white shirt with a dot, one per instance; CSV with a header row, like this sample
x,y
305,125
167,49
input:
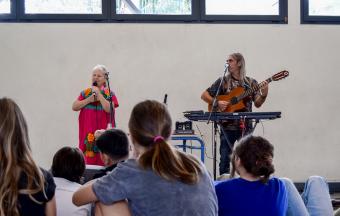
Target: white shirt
x,y
63,194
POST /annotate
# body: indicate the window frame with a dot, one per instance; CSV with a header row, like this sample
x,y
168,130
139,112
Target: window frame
x,y
309,19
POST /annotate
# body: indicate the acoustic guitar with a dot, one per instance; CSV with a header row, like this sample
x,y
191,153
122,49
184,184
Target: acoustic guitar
x,y
237,95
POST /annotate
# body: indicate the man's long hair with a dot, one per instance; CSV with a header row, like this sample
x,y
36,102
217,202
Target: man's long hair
x,y
242,64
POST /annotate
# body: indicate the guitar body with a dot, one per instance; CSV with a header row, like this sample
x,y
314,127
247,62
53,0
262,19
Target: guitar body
x,y
237,96
235,104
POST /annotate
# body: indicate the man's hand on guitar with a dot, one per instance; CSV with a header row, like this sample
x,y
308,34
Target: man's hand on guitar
x,y
222,105
264,90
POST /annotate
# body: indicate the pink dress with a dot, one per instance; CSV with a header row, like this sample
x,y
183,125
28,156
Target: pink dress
x,y
93,117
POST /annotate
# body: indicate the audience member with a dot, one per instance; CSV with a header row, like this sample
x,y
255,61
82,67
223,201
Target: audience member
x,y
265,195
68,168
254,192
113,146
161,180
25,189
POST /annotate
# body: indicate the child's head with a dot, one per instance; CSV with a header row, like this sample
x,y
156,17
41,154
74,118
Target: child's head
x,y
150,120
150,128
68,163
114,144
255,154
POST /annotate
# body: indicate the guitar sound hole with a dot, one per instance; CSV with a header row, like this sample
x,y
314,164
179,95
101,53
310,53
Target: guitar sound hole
x,y
234,100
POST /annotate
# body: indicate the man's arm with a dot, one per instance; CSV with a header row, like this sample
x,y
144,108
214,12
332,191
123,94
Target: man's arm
x,y
261,97
222,105
206,97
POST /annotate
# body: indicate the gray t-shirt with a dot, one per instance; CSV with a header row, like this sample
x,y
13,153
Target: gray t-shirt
x,y
149,194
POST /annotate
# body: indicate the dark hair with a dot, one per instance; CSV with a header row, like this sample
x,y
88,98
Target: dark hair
x,y
114,143
68,163
150,127
256,155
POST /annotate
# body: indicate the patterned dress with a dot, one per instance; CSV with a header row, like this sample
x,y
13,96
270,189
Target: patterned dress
x,y
93,117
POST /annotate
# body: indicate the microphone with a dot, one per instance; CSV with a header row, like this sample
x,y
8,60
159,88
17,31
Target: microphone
x,y
106,75
94,84
165,98
226,67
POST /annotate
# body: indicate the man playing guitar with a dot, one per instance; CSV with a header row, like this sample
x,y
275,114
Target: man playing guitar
x,y
237,93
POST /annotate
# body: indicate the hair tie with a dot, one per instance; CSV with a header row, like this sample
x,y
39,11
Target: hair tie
x,y
157,138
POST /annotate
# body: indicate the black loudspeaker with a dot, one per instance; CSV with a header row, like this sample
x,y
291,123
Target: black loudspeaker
x,y
184,128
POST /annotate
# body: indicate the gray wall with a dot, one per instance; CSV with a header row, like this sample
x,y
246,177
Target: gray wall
x,y
45,65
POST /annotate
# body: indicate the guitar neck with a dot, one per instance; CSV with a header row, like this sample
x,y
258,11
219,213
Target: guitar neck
x,y
255,88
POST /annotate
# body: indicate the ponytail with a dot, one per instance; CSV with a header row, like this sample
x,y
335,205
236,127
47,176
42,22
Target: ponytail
x,y
150,127
170,163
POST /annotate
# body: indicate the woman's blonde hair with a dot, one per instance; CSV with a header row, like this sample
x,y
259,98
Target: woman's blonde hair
x,y
16,159
150,126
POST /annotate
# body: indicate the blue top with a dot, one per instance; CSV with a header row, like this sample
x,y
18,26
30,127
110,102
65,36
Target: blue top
x,y
242,197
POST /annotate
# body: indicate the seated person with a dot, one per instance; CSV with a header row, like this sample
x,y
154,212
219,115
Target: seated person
x,y
160,181
113,146
252,160
254,192
25,188
67,168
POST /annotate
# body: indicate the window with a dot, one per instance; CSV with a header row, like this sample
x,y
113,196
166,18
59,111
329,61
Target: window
x,y
246,11
154,7
7,10
5,7
62,9
242,7
156,10
63,6
316,11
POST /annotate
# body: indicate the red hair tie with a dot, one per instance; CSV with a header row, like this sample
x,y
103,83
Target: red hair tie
x,y
157,138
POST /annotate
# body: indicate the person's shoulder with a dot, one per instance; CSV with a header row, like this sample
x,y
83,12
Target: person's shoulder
x,y
47,175
226,183
127,164
275,179
276,182
66,185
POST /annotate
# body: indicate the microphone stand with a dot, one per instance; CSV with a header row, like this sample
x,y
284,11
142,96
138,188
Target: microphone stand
x,y
112,111
214,110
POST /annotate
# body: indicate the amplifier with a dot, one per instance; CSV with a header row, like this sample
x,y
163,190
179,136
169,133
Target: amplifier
x,y
184,128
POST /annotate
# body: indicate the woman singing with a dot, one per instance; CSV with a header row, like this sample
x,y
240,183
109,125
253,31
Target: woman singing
x,y
94,107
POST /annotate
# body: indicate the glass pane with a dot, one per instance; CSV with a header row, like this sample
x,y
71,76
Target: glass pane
x,y
242,7
5,6
324,8
154,7
63,6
